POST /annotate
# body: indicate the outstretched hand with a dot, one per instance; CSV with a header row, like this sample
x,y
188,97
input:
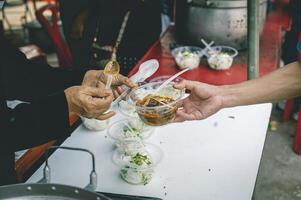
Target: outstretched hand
x,y
204,101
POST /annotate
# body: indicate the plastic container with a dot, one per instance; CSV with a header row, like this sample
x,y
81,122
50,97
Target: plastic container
x,y
128,134
156,115
221,58
187,56
95,124
127,109
139,168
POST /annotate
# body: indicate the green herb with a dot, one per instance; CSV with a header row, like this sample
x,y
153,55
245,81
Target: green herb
x,y
140,159
124,171
185,53
145,179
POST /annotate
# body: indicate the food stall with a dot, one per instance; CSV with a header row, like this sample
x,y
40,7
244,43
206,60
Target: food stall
x,y
216,158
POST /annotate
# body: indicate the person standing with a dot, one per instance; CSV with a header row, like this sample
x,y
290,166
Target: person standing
x,y
100,21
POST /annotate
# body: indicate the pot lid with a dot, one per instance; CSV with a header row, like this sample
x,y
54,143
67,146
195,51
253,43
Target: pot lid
x,y
222,3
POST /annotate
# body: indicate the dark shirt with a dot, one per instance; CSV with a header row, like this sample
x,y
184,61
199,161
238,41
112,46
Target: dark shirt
x,y
142,30
46,116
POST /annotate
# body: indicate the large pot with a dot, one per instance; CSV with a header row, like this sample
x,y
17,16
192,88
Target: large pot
x,y
224,21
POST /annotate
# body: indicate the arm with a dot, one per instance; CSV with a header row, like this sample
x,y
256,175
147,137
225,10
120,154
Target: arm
x,y
206,100
284,83
46,119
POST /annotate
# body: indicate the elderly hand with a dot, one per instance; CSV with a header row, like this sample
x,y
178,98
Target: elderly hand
x,y
203,101
96,78
89,102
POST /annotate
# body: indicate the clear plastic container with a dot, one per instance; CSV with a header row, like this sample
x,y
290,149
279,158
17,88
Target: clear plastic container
x,y
95,124
187,56
156,115
138,168
127,109
221,58
129,133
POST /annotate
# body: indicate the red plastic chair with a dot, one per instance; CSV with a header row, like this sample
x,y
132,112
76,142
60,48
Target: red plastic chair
x,y
52,28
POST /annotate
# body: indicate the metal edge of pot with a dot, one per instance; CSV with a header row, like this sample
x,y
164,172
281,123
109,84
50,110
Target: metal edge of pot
x,y
222,3
40,189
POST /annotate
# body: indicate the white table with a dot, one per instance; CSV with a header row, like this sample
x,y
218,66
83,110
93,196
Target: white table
x,y
214,159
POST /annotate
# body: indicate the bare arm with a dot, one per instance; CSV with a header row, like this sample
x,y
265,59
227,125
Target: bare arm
x,y
206,100
284,83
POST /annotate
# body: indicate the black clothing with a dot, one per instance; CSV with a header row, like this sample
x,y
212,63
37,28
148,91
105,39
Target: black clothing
x,y
43,119
143,28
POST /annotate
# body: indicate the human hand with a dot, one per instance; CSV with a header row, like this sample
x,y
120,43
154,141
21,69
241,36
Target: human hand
x,y
204,101
96,78
89,102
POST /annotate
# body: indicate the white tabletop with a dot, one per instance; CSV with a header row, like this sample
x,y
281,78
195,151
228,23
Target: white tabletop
x,y
213,159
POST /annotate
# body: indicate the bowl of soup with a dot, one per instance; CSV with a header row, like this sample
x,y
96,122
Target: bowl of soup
x,y
156,108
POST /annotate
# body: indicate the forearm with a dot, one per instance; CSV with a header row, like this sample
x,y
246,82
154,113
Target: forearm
x,y
284,83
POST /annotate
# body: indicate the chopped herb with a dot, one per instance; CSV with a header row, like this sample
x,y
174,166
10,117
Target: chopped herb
x,y
140,159
145,179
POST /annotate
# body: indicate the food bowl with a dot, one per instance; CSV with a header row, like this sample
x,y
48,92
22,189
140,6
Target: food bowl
x,y
127,108
95,124
156,108
221,58
136,176
128,134
187,56
138,168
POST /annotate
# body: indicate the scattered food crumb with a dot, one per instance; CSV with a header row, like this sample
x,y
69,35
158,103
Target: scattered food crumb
x,y
209,170
106,136
165,193
215,124
164,187
231,117
161,142
273,125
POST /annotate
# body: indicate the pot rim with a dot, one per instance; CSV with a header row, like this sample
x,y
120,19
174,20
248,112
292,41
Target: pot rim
x,y
222,3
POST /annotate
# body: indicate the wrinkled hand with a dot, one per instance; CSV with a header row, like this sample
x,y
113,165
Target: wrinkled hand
x,y
96,78
204,101
89,102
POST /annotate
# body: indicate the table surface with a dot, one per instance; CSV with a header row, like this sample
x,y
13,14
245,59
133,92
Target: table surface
x,y
213,159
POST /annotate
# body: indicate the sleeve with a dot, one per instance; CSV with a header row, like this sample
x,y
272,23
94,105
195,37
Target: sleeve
x,y
36,123
27,80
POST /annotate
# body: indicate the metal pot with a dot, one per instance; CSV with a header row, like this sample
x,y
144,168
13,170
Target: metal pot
x,y
45,190
224,21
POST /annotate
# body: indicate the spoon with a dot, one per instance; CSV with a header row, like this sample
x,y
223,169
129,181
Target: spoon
x,y
208,46
203,52
112,69
171,79
146,69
